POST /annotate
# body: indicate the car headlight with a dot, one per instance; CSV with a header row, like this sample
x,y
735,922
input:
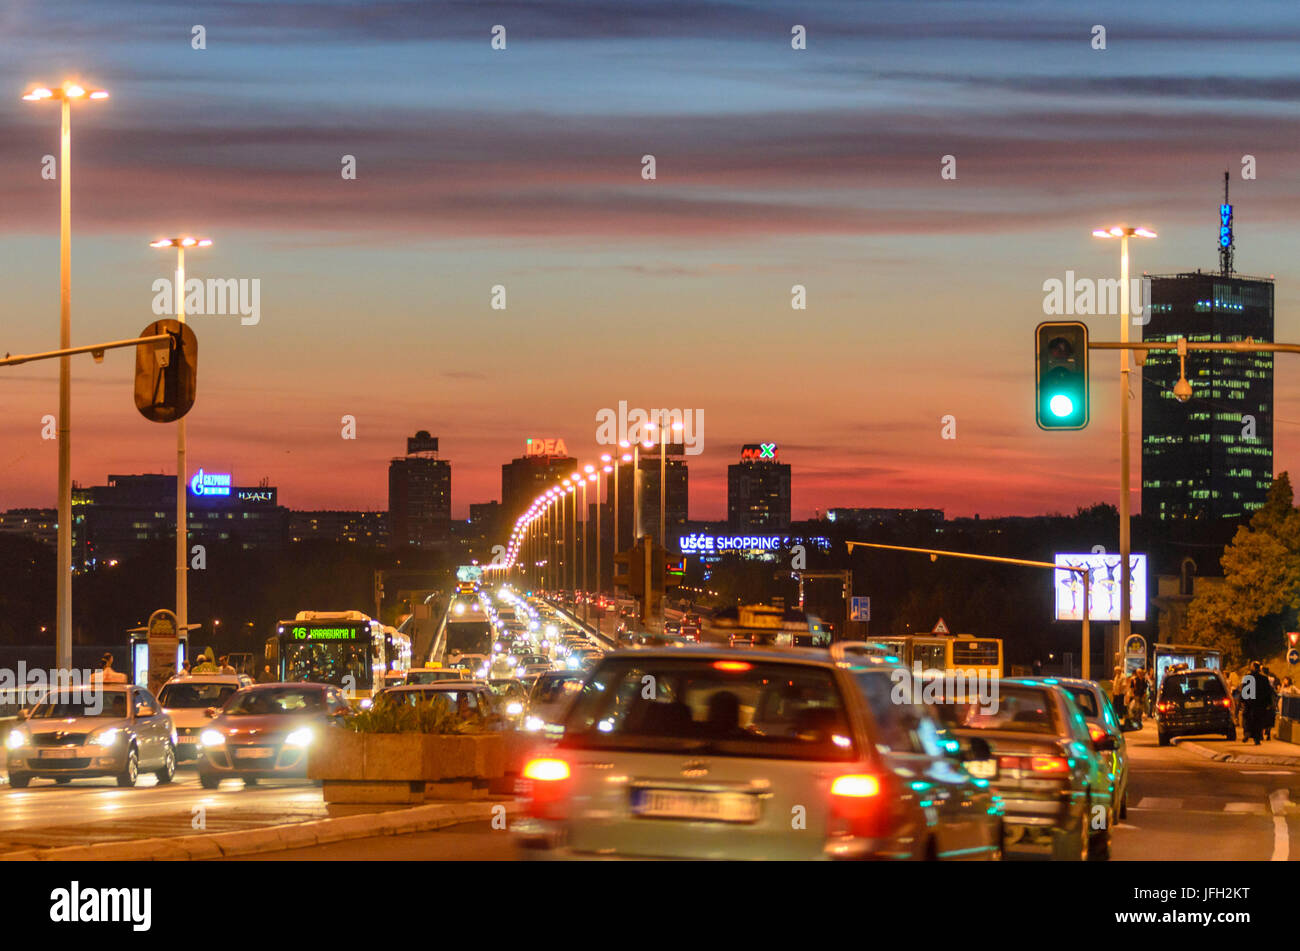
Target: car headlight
x,y
519,671
366,703
104,738
212,738
533,724
16,739
300,737
514,709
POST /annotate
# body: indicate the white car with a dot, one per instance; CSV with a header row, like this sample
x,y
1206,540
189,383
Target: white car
x,y
187,698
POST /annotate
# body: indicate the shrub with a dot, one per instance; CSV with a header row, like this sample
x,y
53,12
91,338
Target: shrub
x,y
426,716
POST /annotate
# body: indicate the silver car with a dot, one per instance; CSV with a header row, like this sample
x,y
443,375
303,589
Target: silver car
x,y
114,730
709,753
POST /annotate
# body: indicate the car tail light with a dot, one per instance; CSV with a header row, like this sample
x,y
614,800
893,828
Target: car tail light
x,y
549,779
859,806
1096,732
1163,706
1049,764
1224,701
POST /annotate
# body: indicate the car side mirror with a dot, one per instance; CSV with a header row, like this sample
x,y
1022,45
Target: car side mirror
x,y
1104,743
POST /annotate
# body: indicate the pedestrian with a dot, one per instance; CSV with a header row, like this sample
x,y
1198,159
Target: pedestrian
x,y
1137,693
225,667
1257,704
185,667
1234,688
266,677
1118,691
106,674
205,665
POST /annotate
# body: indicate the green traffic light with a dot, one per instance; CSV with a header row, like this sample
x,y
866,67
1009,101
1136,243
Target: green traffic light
x,y
1061,405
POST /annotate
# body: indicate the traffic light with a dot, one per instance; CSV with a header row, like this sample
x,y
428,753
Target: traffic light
x,y
165,371
1062,374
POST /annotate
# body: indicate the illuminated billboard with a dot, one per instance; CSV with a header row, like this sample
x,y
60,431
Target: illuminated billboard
x,y
1104,579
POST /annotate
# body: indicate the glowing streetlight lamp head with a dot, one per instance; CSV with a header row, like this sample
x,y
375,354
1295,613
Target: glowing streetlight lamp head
x,y
577,476
608,470
39,93
678,426
1117,232
73,91
99,94
588,468
591,476
1144,232
624,444
164,243
627,457
605,457
1101,234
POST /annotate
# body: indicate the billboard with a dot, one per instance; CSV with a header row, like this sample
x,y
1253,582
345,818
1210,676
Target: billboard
x,y
1104,578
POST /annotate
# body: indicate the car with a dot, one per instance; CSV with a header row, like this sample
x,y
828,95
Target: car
x,y
187,698
1094,703
433,675
742,639
549,701
117,730
466,698
1193,702
531,670
691,626
264,731
672,628
580,658
512,700
476,664
1045,765
714,761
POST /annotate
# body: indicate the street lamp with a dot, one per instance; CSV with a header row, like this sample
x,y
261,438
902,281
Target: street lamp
x,y
1125,584
65,95
182,513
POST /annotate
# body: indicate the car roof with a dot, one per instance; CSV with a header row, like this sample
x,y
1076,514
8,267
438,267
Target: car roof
x,y
207,679
811,656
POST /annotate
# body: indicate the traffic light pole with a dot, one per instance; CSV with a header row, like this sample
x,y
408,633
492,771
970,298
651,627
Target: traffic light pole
x,y
1023,562
96,348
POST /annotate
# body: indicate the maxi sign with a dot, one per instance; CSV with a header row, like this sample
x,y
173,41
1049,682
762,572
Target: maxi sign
x,y
210,483
1104,580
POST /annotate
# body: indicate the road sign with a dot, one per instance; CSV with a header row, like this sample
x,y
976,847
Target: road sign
x,y
860,610
1293,656
165,371
940,628
1135,646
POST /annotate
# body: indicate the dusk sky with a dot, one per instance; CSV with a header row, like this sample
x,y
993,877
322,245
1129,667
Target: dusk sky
x,y
522,167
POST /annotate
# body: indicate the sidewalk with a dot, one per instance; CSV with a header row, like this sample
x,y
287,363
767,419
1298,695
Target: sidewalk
x,y
1267,753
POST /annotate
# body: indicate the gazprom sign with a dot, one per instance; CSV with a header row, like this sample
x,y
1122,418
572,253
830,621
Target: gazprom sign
x,y
210,483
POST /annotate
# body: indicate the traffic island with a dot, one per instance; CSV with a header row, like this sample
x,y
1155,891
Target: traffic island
x,y
406,768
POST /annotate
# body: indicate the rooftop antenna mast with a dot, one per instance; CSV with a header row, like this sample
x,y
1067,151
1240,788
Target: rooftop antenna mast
x,y
1225,232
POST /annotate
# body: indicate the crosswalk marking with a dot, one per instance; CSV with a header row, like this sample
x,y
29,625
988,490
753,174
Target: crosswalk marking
x,y
1154,802
1254,808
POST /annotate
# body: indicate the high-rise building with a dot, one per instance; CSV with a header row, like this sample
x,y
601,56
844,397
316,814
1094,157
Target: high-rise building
x,y
419,496
1212,456
676,503
118,520
366,529
758,490
544,463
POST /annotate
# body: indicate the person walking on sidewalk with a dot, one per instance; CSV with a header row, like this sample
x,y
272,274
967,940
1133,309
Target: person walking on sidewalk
x,y
1137,694
1234,691
1258,703
1118,692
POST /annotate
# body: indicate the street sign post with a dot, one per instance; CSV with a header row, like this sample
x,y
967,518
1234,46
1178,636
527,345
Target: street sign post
x,y
164,639
860,610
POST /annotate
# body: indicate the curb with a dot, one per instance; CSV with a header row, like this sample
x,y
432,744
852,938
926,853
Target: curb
x,y
1248,759
294,835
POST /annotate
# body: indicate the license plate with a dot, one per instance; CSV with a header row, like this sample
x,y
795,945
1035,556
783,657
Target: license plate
x,y
982,768
717,807
1193,705
255,753
59,754
187,739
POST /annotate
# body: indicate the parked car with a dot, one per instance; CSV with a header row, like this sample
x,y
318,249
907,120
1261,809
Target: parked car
x,y
1045,765
714,761
187,698
264,731
114,730
1094,703
1192,702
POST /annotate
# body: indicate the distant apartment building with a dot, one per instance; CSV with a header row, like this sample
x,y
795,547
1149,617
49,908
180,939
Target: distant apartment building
x,y
365,529
419,496
545,463
758,490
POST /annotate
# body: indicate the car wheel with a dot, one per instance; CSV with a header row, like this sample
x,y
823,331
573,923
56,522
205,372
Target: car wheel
x,y
19,780
168,767
250,780
1123,805
1231,735
63,780
209,780
131,770
1162,739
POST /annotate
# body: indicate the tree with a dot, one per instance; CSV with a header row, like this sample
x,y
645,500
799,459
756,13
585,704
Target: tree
x,y
1261,580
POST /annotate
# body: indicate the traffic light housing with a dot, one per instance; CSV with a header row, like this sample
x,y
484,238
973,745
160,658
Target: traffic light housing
x,y
165,371
1062,375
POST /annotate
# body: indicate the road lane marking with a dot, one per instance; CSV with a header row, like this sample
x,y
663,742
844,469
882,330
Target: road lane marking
x,y
1277,799
1268,772
1254,808
1155,802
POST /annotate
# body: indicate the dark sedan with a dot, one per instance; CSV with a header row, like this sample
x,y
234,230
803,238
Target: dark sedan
x,y
1193,702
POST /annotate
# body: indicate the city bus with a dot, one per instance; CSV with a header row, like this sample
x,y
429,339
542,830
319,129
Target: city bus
x,y
946,652
345,648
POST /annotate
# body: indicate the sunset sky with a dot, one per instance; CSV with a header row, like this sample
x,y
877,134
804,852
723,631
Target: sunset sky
x,y
522,167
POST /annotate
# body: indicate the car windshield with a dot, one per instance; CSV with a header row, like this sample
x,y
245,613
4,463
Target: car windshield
x,y
717,707
553,689
274,701
1019,710
1180,686
432,676
89,703
190,696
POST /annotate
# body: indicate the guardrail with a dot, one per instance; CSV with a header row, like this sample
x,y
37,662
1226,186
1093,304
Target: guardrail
x,y
585,628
